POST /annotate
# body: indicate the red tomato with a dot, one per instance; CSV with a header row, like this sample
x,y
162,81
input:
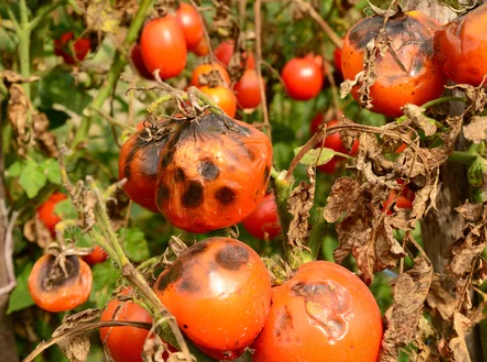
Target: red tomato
x,y
46,212
224,52
205,70
404,201
303,78
263,223
163,47
337,57
63,47
139,62
223,97
247,90
98,255
401,148
324,313
219,290
192,26
461,47
202,48
412,41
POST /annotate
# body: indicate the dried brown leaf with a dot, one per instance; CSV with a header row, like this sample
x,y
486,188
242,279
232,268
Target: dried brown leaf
x,y
471,212
17,113
36,231
417,117
12,77
441,300
424,201
476,97
47,140
343,196
476,130
101,16
457,345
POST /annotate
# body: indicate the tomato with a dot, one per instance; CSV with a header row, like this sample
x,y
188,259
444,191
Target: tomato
x,y
138,162
202,48
337,57
138,62
98,255
46,213
401,148
191,24
204,70
163,47
461,47
51,290
223,97
404,201
64,47
219,291
303,78
247,90
263,223
213,173
324,312
412,40
224,52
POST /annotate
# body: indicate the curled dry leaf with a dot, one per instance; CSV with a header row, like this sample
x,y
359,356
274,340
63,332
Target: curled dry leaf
x,y
416,115
13,77
441,300
471,212
46,139
17,112
36,231
154,349
476,97
425,200
476,130
457,345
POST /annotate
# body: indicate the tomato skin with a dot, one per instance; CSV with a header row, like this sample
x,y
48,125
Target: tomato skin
x,y
263,223
297,327
303,78
412,37
247,90
337,57
190,22
159,38
223,97
404,201
98,255
46,212
461,47
66,293
205,69
224,52
62,48
202,48
219,290
138,62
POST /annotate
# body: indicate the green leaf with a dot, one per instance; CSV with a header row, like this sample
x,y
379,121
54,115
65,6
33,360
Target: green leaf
x,y
105,277
316,156
134,243
20,297
14,169
32,179
65,210
52,170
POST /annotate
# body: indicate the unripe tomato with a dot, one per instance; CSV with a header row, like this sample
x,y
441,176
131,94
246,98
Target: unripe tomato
x,y
51,290
219,290
191,24
247,90
263,223
46,212
163,47
64,48
213,172
412,40
461,47
204,70
324,313
98,255
223,97
224,52
337,57
303,78
138,62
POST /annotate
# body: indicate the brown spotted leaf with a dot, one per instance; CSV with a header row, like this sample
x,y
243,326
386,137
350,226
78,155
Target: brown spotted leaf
x,y
46,139
417,117
342,198
476,130
476,97
424,201
471,212
441,300
17,113
457,345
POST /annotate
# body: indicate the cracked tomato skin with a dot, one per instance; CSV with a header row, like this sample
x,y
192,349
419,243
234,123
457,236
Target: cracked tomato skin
x,y
212,174
324,312
64,293
46,212
412,38
461,47
219,290
263,223
303,78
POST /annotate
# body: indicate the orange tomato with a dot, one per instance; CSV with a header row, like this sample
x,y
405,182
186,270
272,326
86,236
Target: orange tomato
x,y
205,70
223,97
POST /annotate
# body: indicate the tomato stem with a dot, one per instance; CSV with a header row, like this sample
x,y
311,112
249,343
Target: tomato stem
x,y
434,102
463,157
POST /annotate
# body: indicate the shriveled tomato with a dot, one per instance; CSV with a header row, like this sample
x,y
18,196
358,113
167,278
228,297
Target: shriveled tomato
x,y
138,62
98,255
46,212
190,22
213,172
461,47
323,313
303,78
52,290
163,46
247,90
224,52
138,162
219,290
203,73
414,77
337,58
223,97
64,47
263,223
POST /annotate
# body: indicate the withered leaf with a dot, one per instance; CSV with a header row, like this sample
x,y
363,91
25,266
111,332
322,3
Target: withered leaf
x,y
417,117
424,201
458,346
17,112
101,16
471,212
476,97
476,130
36,231
440,300
46,139
343,196
13,77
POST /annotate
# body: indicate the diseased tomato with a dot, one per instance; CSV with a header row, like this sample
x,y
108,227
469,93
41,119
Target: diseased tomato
x,y
51,290
247,90
224,52
303,78
98,255
219,290
223,97
263,223
163,47
213,172
203,71
138,62
337,57
461,47
64,47
46,212
420,81
191,24
323,313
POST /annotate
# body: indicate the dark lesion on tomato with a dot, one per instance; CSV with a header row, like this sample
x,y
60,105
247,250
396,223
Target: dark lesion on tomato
x,y
189,284
179,175
163,193
52,276
267,172
193,197
231,257
225,195
208,170
284,321
171,276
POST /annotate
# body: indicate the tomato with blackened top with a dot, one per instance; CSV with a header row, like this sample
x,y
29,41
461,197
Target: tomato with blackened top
x,y
247,90
205,74
98,255
413,75
46,212
136,57
138,161
219,291
263,223
56,291
191,24
163,47
303,78
66,45
223,97
324,312
224,52
212,173
461,47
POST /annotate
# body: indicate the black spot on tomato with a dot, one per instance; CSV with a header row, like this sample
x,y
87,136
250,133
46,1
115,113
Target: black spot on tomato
x,y
284,321
189,284
231,257
167,158
163,193
179,175
208,170
225,195
193,196
185,326
197,248
174,274
50,279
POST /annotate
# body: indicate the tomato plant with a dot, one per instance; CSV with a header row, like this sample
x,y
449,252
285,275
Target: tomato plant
x,y
263,222
303,78
71,51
